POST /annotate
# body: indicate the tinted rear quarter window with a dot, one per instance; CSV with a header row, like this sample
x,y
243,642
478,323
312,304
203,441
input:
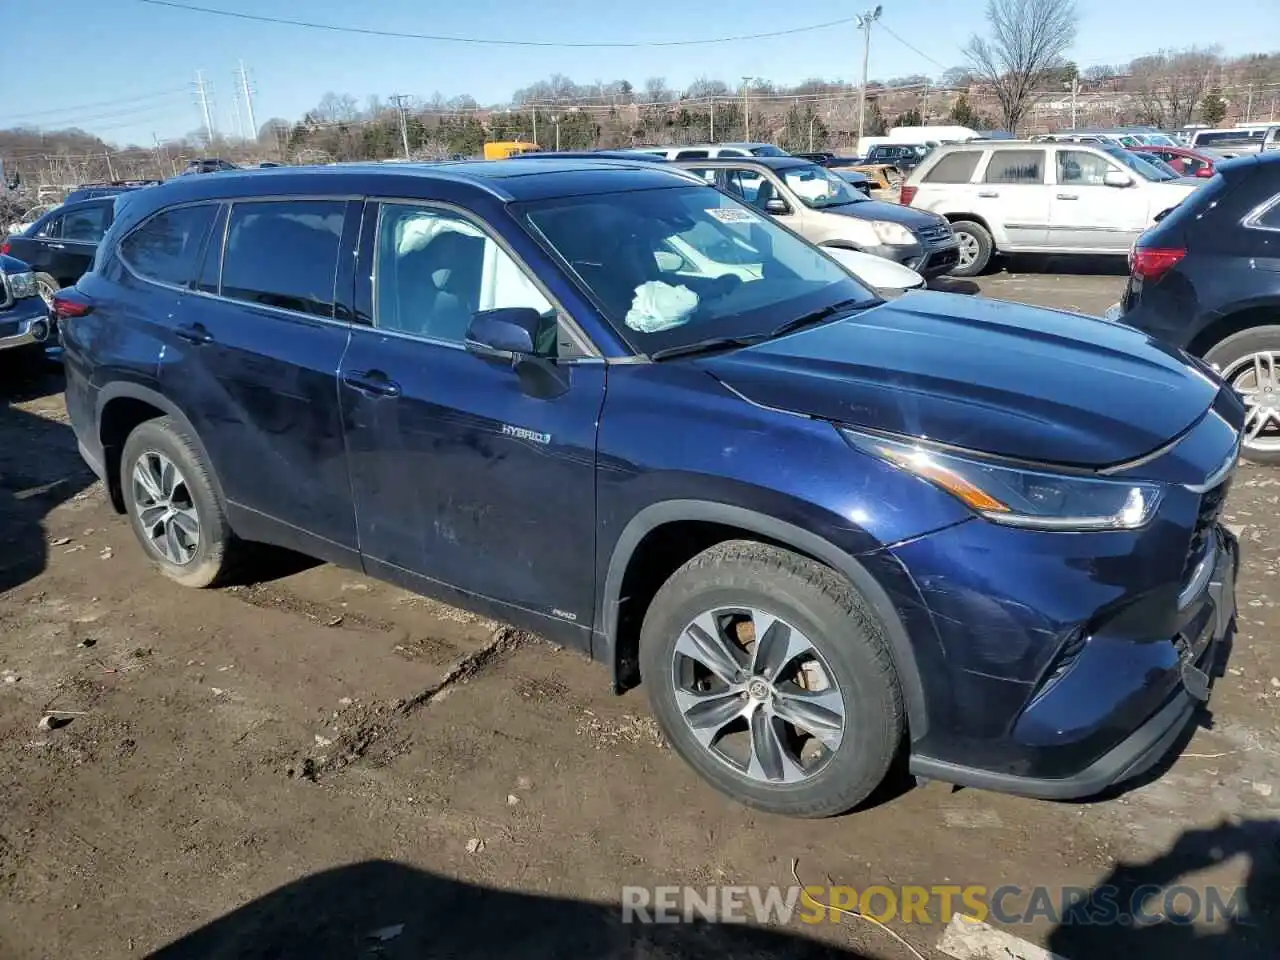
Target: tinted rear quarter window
x,y
1270,215
284,254
954,167
166,247
693,155
1015,166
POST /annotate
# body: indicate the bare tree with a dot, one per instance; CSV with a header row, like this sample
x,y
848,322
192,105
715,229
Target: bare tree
x,y
1167,86
1099,72
703,88
656,90
956,77
1028,38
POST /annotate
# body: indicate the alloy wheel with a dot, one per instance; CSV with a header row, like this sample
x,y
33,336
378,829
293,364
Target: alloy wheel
x,y
757,695
1257,380
46,292
968,248
166,511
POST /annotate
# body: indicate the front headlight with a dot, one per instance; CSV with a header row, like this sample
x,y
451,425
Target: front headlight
x,y
1018,496
22,285
892,233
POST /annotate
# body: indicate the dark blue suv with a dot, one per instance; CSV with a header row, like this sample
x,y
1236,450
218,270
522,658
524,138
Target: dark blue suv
x,y
604,401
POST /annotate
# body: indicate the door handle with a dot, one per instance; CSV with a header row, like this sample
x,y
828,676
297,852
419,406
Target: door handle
x,y
988,193
372,382
56,246
1068,196
196,333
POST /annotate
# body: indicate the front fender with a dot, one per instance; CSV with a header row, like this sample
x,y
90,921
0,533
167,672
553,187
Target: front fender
x,y
856,569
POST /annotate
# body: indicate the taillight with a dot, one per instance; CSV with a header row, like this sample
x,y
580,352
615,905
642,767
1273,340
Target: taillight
x,y
908,194
6,247
1152,263
68,304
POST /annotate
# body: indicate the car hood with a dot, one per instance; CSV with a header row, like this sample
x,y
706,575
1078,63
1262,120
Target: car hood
x,y
909,217
999,377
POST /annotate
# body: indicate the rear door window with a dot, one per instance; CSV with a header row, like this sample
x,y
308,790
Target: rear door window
x,y
1015,166
165,248
954,167
284,254
86,225
693,154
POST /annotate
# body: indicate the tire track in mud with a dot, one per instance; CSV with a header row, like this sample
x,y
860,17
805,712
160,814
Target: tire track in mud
x,y
371,732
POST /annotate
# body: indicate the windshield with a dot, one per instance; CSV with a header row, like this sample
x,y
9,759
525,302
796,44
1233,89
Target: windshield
x,y
1148,171
819,188
676,266
1159,140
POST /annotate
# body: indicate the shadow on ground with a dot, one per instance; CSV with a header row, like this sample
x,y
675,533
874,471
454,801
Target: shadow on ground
x,y
1107,265
39,469
1167,886
389,910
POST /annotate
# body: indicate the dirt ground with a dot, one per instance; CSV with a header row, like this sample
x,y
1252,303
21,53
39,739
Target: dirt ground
x,y
315,764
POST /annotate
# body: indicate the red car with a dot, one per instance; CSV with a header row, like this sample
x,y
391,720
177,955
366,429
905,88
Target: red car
x,y
1189,163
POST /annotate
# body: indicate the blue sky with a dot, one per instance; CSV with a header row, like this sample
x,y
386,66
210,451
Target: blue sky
x,y
136,73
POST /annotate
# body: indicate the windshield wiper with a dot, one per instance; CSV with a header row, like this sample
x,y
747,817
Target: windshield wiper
x,y
709,345
817,316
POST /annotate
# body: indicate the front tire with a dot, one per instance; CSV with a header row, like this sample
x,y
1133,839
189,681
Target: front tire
x,y
1250,362
771,677
172,505
976,248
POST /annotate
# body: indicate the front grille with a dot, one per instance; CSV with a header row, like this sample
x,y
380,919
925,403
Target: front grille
x,y
1211,503
935,234
6,295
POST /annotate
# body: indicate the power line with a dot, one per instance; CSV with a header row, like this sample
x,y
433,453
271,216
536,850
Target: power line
x,y
493,41
19,117
910,47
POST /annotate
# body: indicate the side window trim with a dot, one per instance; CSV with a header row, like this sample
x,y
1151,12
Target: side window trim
x,y
1253,219
588,349
216,235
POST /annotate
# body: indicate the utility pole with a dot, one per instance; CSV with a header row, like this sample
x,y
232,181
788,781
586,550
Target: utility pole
x,y
535,124
1248,110
746,108
159,155
713,119
1075,90
111,173
555,120
865,21
202,95
235,112
248,100
398,99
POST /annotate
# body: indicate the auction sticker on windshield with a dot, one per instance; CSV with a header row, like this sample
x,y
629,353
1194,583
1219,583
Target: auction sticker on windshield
x,y
733,215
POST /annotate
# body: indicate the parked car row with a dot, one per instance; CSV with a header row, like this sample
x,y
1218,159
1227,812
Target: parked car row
x,y
610,403
1041,197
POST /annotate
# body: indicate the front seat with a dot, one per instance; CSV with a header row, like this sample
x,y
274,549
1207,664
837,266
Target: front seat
x,y
764,194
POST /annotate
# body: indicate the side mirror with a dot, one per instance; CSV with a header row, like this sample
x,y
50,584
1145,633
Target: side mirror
x,y
776,206
511,330
669,261
1114,178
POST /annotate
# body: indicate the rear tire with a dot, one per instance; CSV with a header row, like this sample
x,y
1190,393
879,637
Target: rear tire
x,y
1240,359
46,287
173,506
976,248
831,690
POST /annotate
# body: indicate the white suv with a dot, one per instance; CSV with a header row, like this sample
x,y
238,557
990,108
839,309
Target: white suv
x,y
1025,197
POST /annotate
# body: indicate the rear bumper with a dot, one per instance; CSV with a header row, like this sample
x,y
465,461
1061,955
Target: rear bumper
x,y
26,324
